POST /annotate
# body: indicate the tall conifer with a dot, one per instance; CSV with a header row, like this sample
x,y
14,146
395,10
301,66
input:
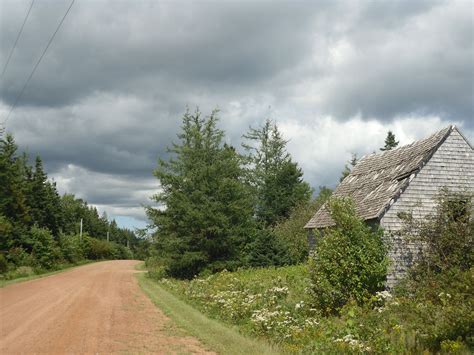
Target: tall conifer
x,y
206,212
276,179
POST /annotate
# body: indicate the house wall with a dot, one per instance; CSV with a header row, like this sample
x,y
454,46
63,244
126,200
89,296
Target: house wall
x,y
452,165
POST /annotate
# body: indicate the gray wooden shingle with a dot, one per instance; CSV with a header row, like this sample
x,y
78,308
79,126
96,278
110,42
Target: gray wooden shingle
x,y
377,179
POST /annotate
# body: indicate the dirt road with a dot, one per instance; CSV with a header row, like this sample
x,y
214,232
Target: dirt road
x,y
97,308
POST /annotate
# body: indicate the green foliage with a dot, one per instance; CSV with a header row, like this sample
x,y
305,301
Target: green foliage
x,y
35,223
97,249
275,178
6,229
439,307
291,233
260,300
266,250
18,256
275,303
390,142
19,272
13,187
44,248
208,214
156,267
447,235
43,200
3,264
349,262
72,248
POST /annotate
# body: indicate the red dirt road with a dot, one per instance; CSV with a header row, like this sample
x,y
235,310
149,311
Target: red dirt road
x,y
96,308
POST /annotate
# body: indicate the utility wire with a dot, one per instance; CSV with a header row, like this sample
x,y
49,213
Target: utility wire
x,y
37,63
17,38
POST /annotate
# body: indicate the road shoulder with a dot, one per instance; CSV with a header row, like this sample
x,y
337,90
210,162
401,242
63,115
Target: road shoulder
x,y
212,333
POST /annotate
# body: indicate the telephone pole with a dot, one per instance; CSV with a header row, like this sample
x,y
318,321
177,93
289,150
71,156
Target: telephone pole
x,y
80,231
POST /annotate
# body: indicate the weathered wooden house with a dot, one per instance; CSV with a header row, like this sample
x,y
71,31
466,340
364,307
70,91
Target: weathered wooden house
x,y
406,179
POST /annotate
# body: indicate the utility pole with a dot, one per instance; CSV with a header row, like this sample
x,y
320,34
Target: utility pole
x,y
80,231
107,236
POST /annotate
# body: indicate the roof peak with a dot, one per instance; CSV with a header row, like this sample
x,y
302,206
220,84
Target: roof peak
x,y
376,179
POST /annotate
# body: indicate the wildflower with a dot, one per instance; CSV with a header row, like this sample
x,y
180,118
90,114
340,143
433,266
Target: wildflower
x,y
383,295
299,305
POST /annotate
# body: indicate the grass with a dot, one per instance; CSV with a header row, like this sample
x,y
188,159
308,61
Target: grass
x,y
62,268
140,266
212,333
432,316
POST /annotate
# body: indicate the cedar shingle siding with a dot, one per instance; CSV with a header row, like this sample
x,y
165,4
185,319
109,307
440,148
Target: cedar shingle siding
x,y
405,179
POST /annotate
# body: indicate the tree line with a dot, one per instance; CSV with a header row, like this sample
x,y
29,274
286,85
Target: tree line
x,y
39,228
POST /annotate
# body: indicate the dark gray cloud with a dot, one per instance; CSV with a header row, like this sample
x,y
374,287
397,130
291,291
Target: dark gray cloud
x,y
108,96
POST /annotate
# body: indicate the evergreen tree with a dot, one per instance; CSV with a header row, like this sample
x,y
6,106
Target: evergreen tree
x,y
14,211
44,200
13,204
276,179
207,210
36,224
390,142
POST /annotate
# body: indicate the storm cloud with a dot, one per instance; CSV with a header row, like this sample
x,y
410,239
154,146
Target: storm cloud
x,y
108,96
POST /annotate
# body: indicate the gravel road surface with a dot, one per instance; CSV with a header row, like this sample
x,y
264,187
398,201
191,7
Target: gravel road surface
x,y
96,308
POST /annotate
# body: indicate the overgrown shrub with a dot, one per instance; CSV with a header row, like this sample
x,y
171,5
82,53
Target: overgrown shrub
x,y
72,248
350,260
3,264
186,265
266,250
447,235
97,249
121,252
439,307
44,248
18,256
156,267
290,232
274,303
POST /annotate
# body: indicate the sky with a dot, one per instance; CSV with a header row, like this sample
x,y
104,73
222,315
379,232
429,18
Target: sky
x,y
109,94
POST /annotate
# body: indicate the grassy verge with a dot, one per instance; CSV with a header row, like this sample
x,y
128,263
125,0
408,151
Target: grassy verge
x,y
433,315
141,266
214,334
62,268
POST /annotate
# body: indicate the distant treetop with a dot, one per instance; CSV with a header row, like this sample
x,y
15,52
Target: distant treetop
x,y
390,142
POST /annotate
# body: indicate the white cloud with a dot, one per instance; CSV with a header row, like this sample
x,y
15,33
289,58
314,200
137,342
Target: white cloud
x,y
115,194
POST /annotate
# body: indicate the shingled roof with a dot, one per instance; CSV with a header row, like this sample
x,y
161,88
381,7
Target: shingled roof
x,y
378,179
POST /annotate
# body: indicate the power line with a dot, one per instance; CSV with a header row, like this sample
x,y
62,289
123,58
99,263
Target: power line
x,y
17,38
37,63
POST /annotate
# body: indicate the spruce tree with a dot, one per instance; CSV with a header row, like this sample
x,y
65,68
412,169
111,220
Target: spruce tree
x,y
44,200
206,213
390,142
276,179
14,211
